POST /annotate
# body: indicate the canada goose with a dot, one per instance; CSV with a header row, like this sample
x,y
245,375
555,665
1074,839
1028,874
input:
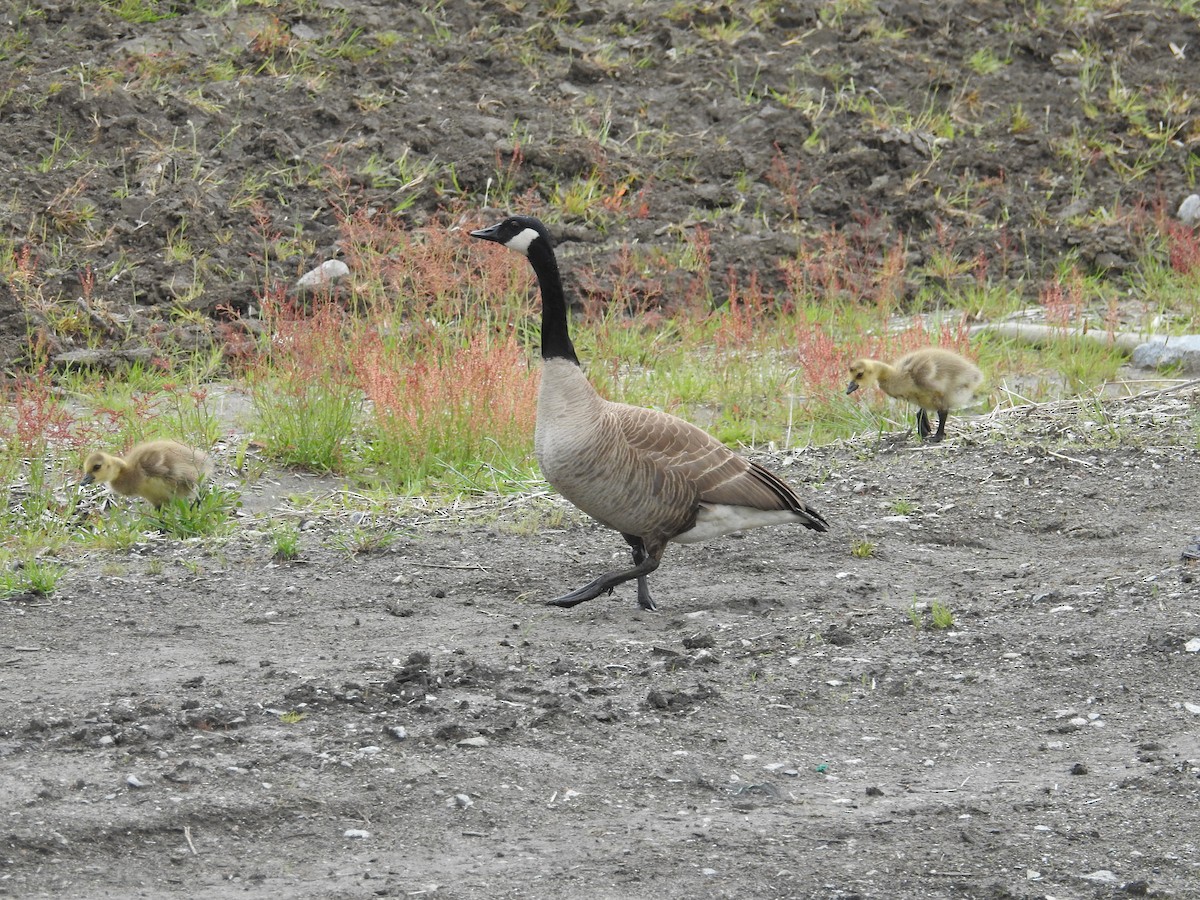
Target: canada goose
x,y
932,378
155,470
649,475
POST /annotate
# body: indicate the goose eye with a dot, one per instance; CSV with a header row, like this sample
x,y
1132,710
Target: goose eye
x,y
96,467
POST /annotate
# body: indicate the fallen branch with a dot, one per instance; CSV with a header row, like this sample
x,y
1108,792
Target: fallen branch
x,y
1040,335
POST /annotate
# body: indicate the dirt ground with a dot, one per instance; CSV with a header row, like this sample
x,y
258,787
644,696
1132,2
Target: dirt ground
x,y
200,721
195,719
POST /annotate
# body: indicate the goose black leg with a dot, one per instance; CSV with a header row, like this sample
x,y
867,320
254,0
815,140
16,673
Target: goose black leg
x,y
639,556
922,424
606,582
645,563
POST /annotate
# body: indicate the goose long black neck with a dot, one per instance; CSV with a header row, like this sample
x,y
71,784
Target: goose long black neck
x,y
556,338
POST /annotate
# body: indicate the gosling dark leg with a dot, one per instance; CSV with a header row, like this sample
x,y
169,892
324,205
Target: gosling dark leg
x,y
943,415
922,424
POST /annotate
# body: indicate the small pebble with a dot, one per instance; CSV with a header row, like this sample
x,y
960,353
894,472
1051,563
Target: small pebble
x,y
356,833
134,782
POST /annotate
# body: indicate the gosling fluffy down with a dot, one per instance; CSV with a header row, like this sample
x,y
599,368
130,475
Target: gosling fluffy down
x,y
935,380
156,471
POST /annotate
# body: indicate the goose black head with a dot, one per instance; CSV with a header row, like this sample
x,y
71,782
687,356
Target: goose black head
x,y
516,233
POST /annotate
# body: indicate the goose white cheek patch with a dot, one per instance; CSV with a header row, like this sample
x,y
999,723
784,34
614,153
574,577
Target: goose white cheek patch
x,y
521,242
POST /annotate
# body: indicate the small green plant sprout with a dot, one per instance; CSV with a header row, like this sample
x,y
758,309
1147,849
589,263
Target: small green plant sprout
x,y
360,540
916,614
291,717
903,506
943,617
34,577
286,541
985,61
207,514
862,549
1019,121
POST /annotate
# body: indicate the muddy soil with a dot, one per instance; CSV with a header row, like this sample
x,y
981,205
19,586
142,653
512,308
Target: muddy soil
x,y
202,721
197,719
164,172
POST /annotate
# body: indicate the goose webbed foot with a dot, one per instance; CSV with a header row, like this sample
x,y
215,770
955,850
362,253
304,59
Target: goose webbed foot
x,y
589,591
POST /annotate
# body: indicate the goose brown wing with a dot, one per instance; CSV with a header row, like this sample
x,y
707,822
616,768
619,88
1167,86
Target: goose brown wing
x,y
691,459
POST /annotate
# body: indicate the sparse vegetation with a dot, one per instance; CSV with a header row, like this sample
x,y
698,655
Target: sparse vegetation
x,y
285,539
33,576
941,615
205,515
862,549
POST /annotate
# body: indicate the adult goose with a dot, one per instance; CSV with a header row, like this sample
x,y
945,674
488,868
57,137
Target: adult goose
x,y
649,475
155,471
934,379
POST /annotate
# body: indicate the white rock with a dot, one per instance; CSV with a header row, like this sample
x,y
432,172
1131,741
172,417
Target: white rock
x,y
461,801
472,742
1192,646
1101,876
134,782
328,272
356,834
1193,708
1182,351
1189,210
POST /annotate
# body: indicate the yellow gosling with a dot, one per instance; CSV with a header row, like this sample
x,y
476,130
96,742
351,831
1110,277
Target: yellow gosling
x,y
156,471
935,380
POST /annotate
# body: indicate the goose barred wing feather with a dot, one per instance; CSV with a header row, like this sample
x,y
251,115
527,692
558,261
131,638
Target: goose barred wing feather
x,y
692,460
